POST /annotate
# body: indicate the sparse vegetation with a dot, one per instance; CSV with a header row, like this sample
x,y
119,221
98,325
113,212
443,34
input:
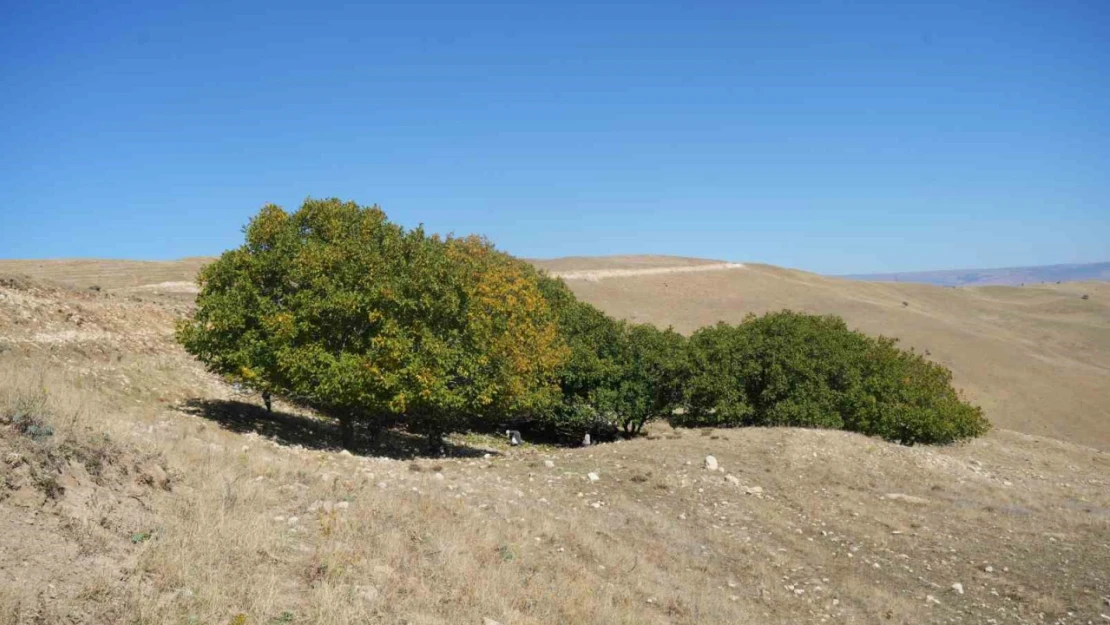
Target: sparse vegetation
x,y
405,546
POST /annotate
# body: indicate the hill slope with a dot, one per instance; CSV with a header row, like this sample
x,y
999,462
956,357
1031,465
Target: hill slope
x,y
163,496
1036,358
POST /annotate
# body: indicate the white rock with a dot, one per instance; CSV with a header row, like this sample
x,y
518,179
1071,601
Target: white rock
x,y
931,599
710,463
732,479
754,490
343,505
905,498
593,477
989,569
549,464
345,453
958,588
439,476
293,520
488,621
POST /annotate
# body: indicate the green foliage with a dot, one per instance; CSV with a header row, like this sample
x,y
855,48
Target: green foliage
x,y
335,307
618,376
789,368
645,386
30,416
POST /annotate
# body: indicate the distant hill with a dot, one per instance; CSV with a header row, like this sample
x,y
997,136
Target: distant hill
x,y
1005,276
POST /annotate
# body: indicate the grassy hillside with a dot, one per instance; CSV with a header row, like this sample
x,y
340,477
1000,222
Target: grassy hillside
x,y
1037,358
164,496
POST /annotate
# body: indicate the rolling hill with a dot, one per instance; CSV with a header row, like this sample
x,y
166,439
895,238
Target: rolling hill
x,y
135,487
1037,358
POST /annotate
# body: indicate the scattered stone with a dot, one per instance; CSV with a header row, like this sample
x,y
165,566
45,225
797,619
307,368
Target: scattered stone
x,y
710,463
989,569
732,479
154,475
931,599
439,476
549,464
593,477
905,498
488,621
958,588
754,490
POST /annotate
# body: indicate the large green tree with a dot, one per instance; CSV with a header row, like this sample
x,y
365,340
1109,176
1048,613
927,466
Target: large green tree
x,y
335,307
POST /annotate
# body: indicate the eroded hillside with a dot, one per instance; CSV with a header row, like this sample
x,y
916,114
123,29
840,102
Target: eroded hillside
x,y
162,495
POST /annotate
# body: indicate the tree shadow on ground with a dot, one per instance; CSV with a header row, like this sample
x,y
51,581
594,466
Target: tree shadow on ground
x,y
287,428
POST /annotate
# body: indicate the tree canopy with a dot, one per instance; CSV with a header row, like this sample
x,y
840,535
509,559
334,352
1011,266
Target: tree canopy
x,y
789,368
335,307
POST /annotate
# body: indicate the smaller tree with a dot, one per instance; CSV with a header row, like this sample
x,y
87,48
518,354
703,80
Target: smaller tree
x,y
645,385
793,369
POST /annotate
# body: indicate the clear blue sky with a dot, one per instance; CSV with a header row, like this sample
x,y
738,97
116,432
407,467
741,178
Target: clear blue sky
x,y
830,136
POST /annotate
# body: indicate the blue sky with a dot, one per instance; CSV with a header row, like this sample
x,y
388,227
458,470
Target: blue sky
x,y
831,136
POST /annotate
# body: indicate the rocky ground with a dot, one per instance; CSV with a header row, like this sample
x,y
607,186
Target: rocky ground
x,y
160,495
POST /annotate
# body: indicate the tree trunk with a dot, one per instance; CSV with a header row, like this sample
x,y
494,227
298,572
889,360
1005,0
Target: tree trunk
x,y
347,431
435,443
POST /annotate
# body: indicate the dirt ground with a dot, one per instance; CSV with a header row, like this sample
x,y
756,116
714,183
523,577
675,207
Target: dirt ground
x,y
162,495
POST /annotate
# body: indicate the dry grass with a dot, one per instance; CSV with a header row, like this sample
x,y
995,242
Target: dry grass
x,y
658,539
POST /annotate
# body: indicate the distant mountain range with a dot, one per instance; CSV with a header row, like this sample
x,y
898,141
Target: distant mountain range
x,y
1009,276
